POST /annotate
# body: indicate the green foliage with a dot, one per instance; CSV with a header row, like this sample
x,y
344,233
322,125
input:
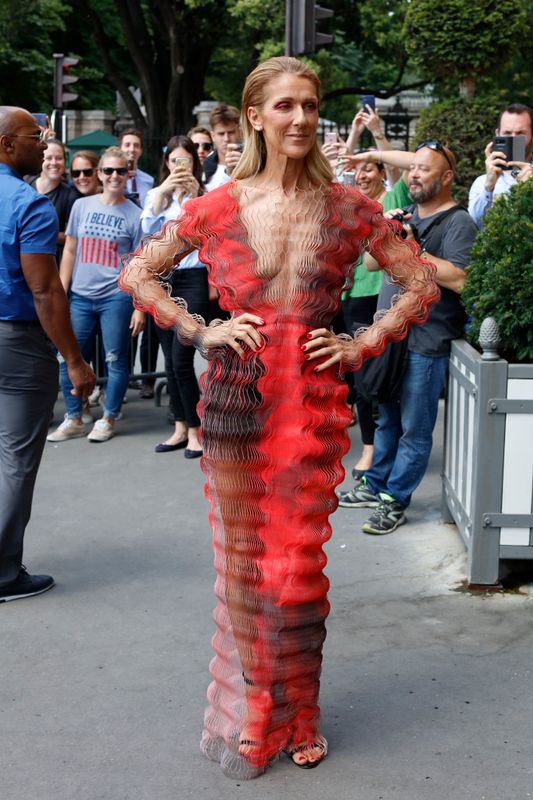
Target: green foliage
x,y
27,28
462,38
499,281
254,32
465,125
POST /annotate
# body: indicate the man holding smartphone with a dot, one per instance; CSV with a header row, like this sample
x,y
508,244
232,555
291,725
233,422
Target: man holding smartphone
x,y
139,182
501,174
224,122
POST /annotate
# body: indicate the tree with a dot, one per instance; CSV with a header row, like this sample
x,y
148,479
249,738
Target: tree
x,y
169,44
465,125
462,38
27,30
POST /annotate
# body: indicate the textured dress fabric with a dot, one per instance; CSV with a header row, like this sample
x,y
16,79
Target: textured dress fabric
x,y
274,434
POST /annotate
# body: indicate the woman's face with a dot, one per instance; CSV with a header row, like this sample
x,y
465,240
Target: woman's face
x,y
114,183
84,176
203,145
54,163
288,116
369,180
173,159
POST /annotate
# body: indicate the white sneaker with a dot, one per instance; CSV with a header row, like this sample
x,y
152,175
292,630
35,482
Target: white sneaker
x,y
95,395
86,416
69,429
102,431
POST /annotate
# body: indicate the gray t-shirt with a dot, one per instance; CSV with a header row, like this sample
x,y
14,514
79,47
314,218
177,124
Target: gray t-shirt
x,y
447,317
104,234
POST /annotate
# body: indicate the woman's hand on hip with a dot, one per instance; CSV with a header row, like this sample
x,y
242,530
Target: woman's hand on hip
x,y
235,333
323,344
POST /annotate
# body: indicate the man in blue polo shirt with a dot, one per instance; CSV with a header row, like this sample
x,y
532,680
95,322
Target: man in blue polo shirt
x,y
33,310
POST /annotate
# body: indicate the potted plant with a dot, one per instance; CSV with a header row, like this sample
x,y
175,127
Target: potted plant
x,y
488,463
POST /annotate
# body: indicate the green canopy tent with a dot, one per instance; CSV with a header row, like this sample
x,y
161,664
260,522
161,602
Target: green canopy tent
x,y
96,140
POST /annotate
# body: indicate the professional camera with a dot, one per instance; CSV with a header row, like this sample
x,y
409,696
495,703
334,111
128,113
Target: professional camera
x,y
513,147
400,217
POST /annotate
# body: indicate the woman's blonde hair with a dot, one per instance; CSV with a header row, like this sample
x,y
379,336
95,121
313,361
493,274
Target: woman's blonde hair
x,y
112,152
254,155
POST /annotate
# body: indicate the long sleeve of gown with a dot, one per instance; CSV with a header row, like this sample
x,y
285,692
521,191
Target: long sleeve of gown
x,y
143,275
415,275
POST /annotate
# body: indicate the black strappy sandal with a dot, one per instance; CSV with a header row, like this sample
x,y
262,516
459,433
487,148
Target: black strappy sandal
x,y
320,742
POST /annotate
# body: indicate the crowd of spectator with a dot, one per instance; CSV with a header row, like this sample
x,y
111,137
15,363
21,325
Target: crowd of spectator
x,y
105,204
414,187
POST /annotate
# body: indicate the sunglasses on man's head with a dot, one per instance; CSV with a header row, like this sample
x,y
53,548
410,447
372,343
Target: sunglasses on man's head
x,y
207,146
434,144
118,170
87,173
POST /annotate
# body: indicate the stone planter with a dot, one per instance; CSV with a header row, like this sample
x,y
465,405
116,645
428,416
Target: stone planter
x,y
488,458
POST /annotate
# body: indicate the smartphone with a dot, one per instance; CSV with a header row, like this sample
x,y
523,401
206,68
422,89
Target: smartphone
x,y
330,137
182,161
347,178
368,100
514,147
238,147
41,119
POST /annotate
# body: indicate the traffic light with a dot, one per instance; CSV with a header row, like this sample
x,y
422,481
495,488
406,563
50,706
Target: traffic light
x,y
62,78
301,35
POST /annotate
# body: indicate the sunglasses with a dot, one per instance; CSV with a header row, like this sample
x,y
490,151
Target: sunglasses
x,y
435,145
207,146
40,137
118,170
87,173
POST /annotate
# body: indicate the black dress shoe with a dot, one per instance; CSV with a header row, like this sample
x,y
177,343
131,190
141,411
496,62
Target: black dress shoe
x,y
25,586
193,453
146,391
169,448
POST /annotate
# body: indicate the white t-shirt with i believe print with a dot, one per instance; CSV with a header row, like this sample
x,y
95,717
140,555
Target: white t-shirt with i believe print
x,y
104,234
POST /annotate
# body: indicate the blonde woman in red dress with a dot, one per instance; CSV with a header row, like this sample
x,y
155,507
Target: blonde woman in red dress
x,y
280,242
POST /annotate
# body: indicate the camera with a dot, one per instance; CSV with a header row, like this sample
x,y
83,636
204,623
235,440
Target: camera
x,y
513,147
238,147
400,217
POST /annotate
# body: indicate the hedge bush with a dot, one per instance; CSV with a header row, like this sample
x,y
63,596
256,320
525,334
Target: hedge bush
x,y
499,280
462,38
465,125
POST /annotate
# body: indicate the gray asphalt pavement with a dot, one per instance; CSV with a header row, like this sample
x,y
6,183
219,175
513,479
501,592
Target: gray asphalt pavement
x,y
426,692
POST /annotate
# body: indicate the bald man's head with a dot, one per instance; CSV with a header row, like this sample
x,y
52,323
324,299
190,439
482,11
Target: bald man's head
x,y
20,146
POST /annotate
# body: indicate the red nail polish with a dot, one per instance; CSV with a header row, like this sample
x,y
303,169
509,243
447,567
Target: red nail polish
x,y
309,336
307,357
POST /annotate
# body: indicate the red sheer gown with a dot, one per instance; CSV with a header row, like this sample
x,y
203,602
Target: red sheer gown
x,y
274,434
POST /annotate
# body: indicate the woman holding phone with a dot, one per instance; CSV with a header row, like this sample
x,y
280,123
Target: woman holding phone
x,y
180,178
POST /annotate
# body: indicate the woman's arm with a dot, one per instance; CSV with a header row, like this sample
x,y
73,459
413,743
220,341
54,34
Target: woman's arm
x,y
67,261
396,158
141,278
401,261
